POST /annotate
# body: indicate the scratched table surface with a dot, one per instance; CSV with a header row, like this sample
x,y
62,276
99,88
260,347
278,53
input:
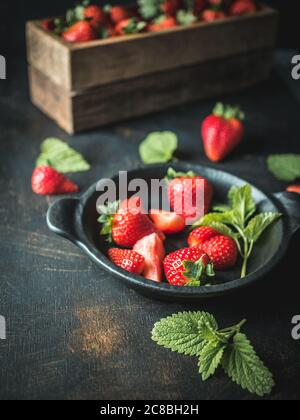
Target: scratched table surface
x,y
73,331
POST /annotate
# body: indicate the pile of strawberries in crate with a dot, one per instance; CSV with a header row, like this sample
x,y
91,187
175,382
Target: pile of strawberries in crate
x,y
90,21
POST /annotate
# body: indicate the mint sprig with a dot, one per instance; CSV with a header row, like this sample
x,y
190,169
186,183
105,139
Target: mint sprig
x,y
237,219
285,167
158,147
197,334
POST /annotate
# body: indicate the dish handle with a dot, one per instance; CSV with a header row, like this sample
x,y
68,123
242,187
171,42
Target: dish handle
x,y
291,203
61,218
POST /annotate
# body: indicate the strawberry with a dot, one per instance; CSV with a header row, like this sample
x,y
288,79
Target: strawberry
x,y
187,266
128,260
222,250
95,15
189,195
167,222
212,15
47,181
130,26
200,235
48,24
81,31
151,247
222,132
126,224
118,13
242,7
162,23
294,189
199,6
171,7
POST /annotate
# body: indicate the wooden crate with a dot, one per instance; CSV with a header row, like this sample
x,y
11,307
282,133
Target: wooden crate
x,y
83,86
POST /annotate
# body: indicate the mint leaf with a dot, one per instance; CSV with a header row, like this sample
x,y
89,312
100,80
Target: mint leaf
x,y
244,367
185,17
61,157
158,147
210,359
221,208
242,204
180,333
285,167
213,218
259,224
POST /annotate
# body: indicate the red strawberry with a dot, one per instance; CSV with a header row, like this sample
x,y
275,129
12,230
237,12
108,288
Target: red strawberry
x,y
222,132
167,222
81,31
48,24
130,26
119,13
95,15
190,195
128,260
294,189
242,7
126,224
222,250
215,2
171,7
47,181
200,235
212,15
152,249
162,23
199,6
187,266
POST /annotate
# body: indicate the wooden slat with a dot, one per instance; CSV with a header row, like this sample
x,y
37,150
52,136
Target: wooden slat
x,y
47,53
104,62
118,101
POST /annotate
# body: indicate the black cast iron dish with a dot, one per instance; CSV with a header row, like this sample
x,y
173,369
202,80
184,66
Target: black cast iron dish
x,y
76,220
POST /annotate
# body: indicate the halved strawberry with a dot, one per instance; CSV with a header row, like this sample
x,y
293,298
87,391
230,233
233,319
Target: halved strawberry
x,y
190,195
200,235
222,250
187,266
126,223
294,189
127,259
152,249
168,222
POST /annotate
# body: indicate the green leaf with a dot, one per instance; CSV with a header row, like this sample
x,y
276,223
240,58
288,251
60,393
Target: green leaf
x,y
185,17
221,208
149,9
158,147
196,272
61,157
285,167
214,218
259,224
172,174
210,359
180,332
208,328
244,367
242,204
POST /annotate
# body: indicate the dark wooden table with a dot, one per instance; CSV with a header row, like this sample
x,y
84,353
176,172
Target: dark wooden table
x,y
73,332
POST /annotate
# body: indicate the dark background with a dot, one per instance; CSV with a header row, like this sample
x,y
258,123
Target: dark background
x,y
14,14
74,332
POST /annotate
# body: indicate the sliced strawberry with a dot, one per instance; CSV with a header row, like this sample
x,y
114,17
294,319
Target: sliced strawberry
x,y
294,189
187,266
128,260
152,249
223,252
167,222
47,181
200,235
